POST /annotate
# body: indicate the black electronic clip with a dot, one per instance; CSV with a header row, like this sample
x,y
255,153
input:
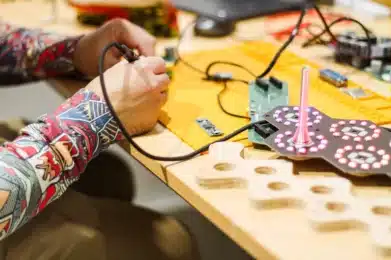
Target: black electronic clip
x,y
129,54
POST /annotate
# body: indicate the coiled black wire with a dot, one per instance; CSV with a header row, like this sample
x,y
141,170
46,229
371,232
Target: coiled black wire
x,y
131,58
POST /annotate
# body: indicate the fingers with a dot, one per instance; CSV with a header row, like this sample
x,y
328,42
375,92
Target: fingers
x,y
162,82
134,37
153,64
162,88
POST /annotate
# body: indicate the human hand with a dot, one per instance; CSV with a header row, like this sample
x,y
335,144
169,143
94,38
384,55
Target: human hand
x,y
90,46
137,92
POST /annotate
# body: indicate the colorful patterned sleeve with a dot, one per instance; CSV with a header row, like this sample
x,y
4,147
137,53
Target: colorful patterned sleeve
x,y
49,155
31,54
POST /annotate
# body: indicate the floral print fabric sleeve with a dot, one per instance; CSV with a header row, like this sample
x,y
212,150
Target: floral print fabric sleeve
x,y
32,53
49,155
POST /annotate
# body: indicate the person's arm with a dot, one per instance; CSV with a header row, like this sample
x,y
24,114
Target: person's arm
x,y
49,155
31,53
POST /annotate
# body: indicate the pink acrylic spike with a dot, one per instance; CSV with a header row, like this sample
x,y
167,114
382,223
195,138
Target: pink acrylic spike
x,y
301,137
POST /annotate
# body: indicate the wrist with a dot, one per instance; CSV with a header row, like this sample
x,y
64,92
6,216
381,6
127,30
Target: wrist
x,y
75,56
56,59
87,116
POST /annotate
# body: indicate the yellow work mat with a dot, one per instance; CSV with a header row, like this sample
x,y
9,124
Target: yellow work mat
x,y
191,97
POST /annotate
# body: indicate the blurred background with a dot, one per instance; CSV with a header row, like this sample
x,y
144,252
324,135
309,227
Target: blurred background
x,y
160,18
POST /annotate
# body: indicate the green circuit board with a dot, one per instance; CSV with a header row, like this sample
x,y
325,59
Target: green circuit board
x,y
265,95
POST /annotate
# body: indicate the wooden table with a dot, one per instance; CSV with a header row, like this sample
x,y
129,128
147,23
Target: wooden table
x,y
281,234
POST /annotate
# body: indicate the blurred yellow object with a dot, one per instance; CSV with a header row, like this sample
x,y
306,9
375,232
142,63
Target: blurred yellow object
x,y
383,2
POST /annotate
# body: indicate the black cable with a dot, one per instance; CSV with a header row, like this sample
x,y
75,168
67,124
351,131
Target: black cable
x,y
130,57
206,73
179,58
313,34
327,29
218,77
292,36
339,20
324,22
211,65
225,84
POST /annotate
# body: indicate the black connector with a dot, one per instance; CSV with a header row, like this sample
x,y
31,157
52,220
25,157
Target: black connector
x,y
276,82
263,84
219,77
129,54
265,129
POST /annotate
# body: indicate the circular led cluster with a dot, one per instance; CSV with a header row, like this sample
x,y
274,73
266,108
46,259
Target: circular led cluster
x,y
290,116
283,141
361,157
355,130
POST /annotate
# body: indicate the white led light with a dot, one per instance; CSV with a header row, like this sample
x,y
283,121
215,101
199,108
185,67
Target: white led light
x,y
321,146
359,147
352,164
313,149
302,150
342,160
348,148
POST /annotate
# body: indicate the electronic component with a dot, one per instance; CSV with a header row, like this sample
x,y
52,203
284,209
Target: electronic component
x,y
265,129
333,77
276,82
264,95
170,59
170,54
386,74
353,49
376,66
357,147
209,128
354,92
380,69
221,76
262,83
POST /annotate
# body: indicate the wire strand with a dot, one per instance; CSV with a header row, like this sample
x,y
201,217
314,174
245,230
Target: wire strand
x,y
179,57
327,29
211,65
225,85
286,44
